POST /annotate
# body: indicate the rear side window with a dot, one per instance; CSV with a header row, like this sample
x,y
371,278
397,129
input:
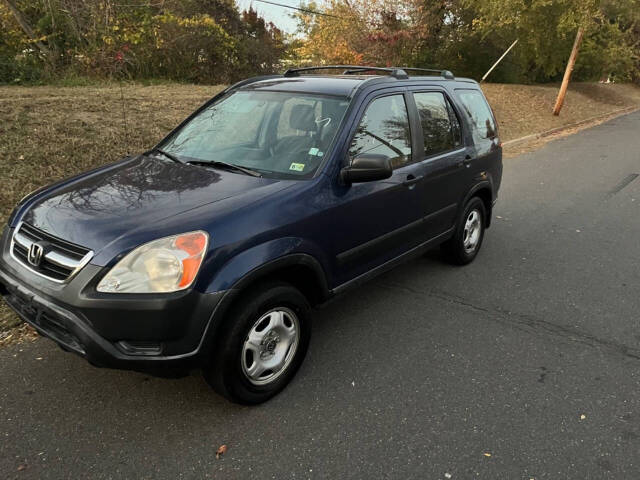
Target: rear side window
x,y
476,107
440,127
384,129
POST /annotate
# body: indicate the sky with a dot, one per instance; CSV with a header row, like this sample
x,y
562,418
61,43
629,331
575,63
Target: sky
x,y
281,17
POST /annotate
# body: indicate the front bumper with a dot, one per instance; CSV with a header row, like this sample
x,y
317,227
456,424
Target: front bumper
x,y
160,334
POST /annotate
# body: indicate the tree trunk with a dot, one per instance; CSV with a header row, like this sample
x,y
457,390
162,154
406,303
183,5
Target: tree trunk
x,y
568,71
28,30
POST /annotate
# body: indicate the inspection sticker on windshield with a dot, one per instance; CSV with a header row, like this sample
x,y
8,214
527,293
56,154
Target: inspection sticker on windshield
x,y
298,167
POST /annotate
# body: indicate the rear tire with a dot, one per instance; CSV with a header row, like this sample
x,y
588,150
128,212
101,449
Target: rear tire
x,y
261,344
463,247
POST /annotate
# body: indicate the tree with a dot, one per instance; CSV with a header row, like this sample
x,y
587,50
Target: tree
x,y
26,27
188,40
546,30
466,35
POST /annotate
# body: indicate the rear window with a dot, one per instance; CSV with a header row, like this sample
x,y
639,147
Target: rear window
x,y
478,111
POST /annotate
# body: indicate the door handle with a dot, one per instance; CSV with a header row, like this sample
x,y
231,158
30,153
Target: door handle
x,y
411,180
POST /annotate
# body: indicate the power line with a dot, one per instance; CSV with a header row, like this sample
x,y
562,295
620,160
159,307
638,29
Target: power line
x,y
297,8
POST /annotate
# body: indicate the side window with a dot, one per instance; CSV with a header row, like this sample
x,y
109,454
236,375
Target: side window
x,y
384,130
476,107
440,127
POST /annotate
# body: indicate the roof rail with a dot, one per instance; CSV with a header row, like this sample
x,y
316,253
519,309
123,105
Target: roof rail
x,y
247,81
397,72
443,73
393,71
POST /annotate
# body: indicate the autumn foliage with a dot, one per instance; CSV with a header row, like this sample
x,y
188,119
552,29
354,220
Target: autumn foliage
x,y
466,36
211,41
205,41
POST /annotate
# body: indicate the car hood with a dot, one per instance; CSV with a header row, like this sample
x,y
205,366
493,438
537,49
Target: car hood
x,y
93,210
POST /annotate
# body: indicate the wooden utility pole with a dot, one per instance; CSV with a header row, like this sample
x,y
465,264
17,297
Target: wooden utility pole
x,y
28,30
498,61
568,71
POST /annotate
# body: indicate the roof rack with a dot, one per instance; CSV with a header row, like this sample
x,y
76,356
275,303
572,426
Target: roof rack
x,y
396,72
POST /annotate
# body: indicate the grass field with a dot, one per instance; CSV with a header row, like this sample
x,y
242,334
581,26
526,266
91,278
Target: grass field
x,y
48,133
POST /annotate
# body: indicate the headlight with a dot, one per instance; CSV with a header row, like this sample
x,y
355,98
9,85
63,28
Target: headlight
x,y
165,265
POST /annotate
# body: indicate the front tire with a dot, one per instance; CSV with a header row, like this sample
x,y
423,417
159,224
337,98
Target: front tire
x,y
261,345
465,244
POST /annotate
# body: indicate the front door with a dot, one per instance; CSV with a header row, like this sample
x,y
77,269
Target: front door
x,y
377,221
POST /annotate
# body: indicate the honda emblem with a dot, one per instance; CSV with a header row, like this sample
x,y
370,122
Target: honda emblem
x,y
35,254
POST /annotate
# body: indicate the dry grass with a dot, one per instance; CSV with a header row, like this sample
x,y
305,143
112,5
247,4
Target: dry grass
x,y
48,133
526,109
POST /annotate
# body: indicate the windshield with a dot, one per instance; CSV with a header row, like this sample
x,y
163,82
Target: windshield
x,y
275,133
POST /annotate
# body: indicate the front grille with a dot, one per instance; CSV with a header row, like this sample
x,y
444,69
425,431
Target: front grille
x,y
60,259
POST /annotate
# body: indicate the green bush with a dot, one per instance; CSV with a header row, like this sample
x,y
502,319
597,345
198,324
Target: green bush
x,y
201,41
22,68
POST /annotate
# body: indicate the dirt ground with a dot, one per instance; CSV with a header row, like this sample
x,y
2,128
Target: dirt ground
x,y
526,109
48,133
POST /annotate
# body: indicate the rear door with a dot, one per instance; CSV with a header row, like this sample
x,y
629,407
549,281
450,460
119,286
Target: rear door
x,y
443,156
487,157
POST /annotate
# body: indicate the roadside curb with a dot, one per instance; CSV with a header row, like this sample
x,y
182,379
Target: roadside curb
x,y
535,136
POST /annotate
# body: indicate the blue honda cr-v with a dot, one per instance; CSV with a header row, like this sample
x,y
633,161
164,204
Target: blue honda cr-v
x,y
210,249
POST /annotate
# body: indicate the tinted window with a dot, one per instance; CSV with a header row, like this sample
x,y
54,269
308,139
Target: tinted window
x,y
476,107
384,130
455,125
440,128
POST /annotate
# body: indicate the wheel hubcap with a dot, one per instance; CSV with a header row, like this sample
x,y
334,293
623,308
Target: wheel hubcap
x,y
270,346
472,230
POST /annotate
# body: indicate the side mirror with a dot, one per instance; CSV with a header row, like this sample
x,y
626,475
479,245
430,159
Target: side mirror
x,y
367,168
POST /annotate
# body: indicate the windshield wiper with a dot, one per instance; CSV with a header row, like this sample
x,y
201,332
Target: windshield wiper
x,y
168,155
225,165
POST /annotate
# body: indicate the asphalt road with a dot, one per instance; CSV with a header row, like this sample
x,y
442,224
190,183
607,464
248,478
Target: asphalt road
x,y
525,364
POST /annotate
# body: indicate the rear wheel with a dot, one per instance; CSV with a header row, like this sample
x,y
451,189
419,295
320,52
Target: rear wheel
x,y
465,244
261,345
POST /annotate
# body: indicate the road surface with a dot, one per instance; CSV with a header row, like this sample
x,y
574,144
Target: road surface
x,y
525,364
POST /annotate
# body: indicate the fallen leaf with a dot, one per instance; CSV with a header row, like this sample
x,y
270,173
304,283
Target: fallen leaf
x,y
487,454
222,449
583,416
21,467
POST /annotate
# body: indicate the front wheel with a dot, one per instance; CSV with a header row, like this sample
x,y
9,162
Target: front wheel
x,y
261,345
465,244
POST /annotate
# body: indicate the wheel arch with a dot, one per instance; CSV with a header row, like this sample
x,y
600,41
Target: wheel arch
x,y
301,270
484,191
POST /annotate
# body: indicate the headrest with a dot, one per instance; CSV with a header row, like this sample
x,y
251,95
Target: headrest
x,y
303,118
